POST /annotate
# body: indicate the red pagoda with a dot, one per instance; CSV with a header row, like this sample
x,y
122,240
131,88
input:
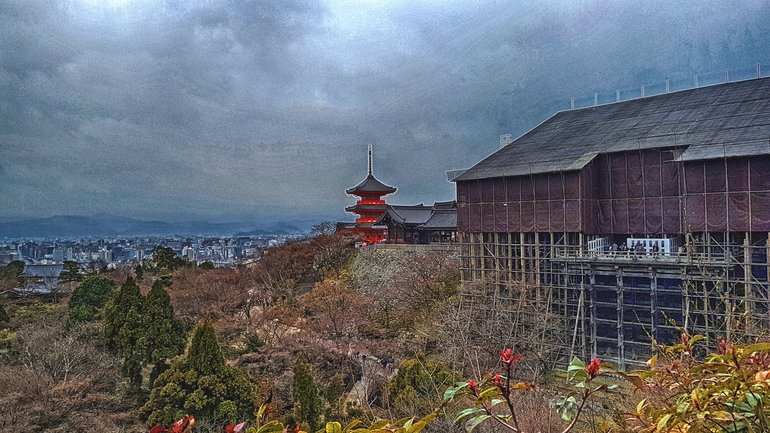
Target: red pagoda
x,y
370,206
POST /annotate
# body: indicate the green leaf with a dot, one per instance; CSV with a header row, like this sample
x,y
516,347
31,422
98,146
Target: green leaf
x,y
353,424
496,401
333,427
449,394
466,413
579,376
489,393
757,347
379,424
271,427
566,406
576,365
417,427
474,422
408,423
663,421
261,411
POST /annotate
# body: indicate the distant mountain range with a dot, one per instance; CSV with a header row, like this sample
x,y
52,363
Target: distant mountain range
x,y
110,225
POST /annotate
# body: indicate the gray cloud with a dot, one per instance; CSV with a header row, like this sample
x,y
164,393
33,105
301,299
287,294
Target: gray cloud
x,y
238,109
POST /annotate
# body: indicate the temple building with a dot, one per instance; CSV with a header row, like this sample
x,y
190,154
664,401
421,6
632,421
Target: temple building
x,y
369,207
421,224
610,227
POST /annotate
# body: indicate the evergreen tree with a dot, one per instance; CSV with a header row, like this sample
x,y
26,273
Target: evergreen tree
x,y
123,329
204,355
163,336
90,297
308,405
207,265
70,271
200,384
166,261
116,314
129,346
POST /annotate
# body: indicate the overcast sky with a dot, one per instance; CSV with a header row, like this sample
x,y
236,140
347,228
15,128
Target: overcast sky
x,y
236,110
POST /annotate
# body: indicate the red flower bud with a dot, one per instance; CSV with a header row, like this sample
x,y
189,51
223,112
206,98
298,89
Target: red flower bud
x,y
685,338
593,368
722,346
497,381
508,357
472,385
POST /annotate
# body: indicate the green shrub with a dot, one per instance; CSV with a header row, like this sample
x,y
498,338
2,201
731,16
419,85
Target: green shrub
x,y
200,384
418,384
7,338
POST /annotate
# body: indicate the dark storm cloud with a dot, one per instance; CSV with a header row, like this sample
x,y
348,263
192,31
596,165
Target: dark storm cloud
x,y
205,109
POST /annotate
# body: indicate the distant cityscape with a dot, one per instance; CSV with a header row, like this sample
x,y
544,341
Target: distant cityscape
x,y
98,253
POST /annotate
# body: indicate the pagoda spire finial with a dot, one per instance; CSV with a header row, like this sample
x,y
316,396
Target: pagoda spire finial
x,y
371,165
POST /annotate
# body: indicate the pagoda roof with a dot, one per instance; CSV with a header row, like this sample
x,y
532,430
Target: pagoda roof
x,y
371,184
357,207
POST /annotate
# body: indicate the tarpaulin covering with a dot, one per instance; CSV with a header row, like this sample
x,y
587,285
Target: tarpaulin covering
x,y
539,203
720,195
634,192
629,189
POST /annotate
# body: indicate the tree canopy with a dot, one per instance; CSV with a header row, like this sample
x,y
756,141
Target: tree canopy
x,y
89,298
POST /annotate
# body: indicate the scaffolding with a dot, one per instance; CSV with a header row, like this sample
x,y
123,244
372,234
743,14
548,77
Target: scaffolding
x,y
579,295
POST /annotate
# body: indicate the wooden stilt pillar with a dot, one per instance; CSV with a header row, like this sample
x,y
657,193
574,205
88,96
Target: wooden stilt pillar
x,y
592,310
654,304
620,319
523,255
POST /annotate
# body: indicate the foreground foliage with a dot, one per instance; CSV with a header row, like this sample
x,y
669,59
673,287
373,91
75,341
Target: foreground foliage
x,y
263,425
727,391
200,384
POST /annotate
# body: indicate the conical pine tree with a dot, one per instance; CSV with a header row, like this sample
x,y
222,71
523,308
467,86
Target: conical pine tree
x,y
163,336
116,314
204,354
200,384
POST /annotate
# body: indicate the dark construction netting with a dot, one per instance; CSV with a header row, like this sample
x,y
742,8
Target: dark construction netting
x,y
639,192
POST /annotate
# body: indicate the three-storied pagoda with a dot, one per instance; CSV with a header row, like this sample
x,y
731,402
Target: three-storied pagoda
x,y
370,206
